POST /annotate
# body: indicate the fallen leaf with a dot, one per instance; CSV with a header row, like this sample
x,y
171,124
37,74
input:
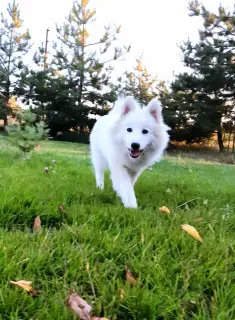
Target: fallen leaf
x,y
142,237
37,224
97,318
165,210
62,209
122,293
192,231
26,285
129,276
79,306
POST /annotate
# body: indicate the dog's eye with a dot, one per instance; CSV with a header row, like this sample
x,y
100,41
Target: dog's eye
x,y
144,131
129,129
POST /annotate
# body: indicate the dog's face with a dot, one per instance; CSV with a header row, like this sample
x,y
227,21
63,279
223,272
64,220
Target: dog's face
x,y
138,132
140,128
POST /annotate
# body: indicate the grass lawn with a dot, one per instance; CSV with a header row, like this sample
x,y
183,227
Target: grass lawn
x,y
177,276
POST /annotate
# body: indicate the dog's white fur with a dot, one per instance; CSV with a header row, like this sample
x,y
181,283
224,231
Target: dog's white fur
x,y
111,144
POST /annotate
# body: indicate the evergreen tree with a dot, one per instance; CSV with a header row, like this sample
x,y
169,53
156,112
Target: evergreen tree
x,y
75,83
207,93
80,71
26,134
141,84
14,44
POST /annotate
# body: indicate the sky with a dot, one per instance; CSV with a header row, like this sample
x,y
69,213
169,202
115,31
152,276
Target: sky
x,y
154,28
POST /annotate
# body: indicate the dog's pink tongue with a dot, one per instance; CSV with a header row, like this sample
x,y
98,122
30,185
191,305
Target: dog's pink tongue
x,y
135,153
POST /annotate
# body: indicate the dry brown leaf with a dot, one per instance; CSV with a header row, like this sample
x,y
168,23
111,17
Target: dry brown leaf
x,y
129,276
192,231
37,224
165,210
122,292
97,318
79,306
142,237
26,285
62,209
34,292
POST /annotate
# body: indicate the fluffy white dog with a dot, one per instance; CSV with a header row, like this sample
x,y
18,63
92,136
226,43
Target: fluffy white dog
x,y
128,140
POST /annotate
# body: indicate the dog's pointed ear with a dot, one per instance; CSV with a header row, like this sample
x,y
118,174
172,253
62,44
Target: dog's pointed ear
x,y
124,105
129,104
155,109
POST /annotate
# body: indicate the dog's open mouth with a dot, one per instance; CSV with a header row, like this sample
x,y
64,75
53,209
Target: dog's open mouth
x,y
135,153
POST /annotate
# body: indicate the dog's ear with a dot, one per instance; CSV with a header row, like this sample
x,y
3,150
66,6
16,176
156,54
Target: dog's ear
x,y
155,109
129,104
124,105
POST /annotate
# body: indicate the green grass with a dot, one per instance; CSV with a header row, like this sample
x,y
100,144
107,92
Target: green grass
x,y
172,268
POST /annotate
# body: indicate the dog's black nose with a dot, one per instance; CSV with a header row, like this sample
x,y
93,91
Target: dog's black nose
x,y
135,146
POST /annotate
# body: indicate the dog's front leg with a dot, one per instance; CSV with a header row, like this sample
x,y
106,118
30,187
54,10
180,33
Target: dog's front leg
x,y
122,184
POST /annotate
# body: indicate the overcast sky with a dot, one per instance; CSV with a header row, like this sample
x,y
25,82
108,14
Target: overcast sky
x,y
153,27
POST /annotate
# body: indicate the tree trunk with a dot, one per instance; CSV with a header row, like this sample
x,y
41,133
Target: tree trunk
x,y
82,76
229,138
233,142
5,119
6,107
220,140
8,83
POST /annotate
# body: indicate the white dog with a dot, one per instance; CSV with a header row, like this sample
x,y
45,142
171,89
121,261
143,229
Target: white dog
x,y
128,140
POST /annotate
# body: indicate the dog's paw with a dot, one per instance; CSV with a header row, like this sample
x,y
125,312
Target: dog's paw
x,y
131,205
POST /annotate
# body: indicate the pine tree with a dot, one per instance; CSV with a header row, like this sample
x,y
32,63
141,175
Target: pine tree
x,y
141,84
76,82
14,44
26,134
207,93
84,66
